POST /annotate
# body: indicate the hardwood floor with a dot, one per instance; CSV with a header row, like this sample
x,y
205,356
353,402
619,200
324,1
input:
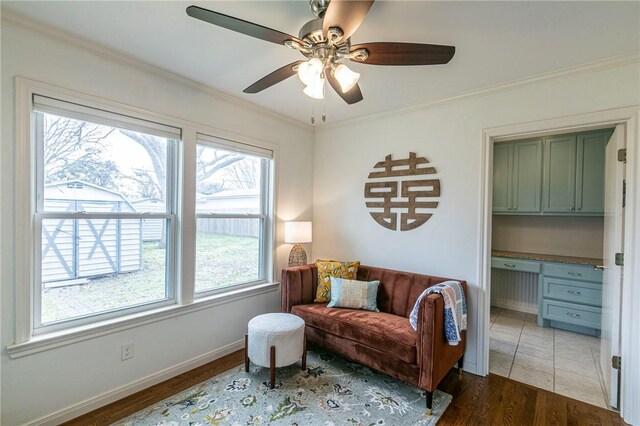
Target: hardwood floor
x,y
492,400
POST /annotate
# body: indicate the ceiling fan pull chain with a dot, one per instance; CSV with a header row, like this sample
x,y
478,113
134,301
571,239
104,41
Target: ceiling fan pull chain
x,y
324,116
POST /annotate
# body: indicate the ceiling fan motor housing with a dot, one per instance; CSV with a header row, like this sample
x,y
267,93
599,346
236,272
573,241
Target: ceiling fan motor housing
x,y
319,7
311,32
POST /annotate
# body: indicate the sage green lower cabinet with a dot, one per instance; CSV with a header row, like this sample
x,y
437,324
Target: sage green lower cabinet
x,y
570,297
572,314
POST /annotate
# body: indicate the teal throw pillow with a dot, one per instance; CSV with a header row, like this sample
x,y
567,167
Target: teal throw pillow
x,y
354,294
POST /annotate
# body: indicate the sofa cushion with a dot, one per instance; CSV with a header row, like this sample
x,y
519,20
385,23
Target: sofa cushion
x,y
391,334
353,294
333,268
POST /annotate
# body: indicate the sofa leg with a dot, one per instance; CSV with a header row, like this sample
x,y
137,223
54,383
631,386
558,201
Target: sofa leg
x,y
429,403
460,365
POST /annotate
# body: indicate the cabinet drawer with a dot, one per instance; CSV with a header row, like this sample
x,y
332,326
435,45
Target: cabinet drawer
x,y
586,316
572,272
515,264
572,291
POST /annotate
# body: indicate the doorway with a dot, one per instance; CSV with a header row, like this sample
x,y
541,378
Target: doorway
x,y
525,321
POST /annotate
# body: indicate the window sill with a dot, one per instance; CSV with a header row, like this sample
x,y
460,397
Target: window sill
x,y
74,335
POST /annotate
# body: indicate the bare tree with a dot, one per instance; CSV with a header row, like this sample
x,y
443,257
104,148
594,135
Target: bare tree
x,y
73,150
206,164
243,174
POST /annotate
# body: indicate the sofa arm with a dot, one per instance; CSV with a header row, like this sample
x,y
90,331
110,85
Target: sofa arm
x,y
298,286
435,356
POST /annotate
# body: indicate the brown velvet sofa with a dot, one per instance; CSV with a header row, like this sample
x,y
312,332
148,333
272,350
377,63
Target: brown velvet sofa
x,y
383,341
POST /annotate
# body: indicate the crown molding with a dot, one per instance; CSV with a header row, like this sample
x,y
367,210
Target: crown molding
x,y
601,64
121,58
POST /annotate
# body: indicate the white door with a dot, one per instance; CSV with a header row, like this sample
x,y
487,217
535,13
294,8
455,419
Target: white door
x,y
612,277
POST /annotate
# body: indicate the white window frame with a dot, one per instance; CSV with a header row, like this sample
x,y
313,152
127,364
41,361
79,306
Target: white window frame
x,y
183,267
41,105
265,215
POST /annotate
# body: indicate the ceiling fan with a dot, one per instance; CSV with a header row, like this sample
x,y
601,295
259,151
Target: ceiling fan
x,y
326,43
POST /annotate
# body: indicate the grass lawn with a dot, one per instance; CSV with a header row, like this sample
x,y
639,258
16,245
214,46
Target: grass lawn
x,y
220,260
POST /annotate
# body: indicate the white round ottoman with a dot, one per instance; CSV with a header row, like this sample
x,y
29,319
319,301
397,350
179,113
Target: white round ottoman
x,y
275,340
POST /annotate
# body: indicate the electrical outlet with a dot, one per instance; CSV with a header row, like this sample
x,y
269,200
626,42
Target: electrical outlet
x,y
126,351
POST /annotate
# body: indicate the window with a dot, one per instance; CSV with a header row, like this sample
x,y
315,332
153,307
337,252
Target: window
x,y
115,200
104,214
231,214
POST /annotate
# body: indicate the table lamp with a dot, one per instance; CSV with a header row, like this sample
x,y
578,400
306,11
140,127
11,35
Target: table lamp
x,y
297,233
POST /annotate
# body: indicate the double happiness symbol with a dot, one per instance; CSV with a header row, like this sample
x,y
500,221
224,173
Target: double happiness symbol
x,y
411,191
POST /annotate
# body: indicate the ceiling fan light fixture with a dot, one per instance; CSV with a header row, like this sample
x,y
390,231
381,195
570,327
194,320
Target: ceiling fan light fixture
x,y
346,78
316,90
310,72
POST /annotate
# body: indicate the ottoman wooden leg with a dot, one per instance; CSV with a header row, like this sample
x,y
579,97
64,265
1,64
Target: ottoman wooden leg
x,y
246,353
272,369
429,403
304,353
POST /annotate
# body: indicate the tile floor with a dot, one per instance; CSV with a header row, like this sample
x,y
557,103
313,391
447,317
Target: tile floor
x,y
559,361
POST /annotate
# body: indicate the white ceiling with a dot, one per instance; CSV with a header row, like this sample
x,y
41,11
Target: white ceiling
x,y
495,42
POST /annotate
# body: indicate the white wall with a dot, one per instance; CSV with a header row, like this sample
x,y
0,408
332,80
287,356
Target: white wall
x,y
39,385
449,135
567,236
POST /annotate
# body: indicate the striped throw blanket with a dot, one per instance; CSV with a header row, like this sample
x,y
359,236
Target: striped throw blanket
x,y
455,309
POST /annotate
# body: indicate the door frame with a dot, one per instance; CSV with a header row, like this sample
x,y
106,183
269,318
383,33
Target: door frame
x,y
630,342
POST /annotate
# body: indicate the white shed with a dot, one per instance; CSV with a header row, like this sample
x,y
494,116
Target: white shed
x,y
84,248
151,228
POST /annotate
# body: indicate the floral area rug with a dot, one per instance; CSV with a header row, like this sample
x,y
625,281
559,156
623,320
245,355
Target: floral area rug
x,y
333,391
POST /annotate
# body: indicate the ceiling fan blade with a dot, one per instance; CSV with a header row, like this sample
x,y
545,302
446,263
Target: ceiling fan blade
x,y
389,53
351,97
346,15
274,78
239,25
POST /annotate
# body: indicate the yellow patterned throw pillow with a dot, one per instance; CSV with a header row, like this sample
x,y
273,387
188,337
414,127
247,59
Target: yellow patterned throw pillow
x,y
333,268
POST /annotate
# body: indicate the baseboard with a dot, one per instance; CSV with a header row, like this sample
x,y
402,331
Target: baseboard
x,y
96,402
514,306
471,367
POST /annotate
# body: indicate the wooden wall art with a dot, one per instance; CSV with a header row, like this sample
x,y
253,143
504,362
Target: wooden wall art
x,y
384,190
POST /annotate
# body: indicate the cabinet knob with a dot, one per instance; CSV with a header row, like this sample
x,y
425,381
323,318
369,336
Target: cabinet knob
x,y
575,274
574,292
573,315
572,208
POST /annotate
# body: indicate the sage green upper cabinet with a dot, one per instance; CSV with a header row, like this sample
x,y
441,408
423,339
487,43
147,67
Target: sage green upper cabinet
x,y
591,149
527,174
559,174
502,166
574,173
517,177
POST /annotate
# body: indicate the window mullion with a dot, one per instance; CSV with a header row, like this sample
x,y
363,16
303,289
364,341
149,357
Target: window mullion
x,y
187,219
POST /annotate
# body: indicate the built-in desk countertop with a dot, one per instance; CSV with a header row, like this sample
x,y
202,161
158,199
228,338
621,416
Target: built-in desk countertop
x,y
547,257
